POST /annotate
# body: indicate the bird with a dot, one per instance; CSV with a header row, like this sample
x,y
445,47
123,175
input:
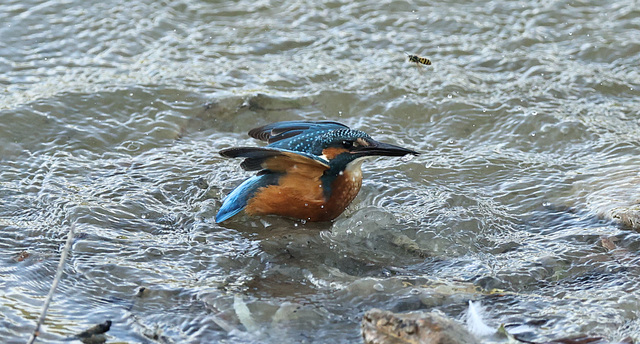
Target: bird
x,y
309,170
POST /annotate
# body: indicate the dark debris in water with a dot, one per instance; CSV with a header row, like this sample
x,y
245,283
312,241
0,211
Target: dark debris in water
x,y
201,183
95,334
142,291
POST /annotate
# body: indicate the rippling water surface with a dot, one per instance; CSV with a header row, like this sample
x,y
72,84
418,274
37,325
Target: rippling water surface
x,y
112,114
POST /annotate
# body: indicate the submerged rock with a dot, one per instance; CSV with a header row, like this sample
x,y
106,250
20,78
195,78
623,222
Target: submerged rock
x,y
384,327
611,193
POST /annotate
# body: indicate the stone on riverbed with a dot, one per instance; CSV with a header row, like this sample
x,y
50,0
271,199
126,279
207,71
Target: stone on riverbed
x,y
384,327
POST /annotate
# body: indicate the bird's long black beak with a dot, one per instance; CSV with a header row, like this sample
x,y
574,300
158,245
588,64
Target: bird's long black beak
x,y
383,149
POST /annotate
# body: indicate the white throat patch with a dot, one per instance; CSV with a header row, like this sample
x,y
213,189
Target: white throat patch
x,y
354,168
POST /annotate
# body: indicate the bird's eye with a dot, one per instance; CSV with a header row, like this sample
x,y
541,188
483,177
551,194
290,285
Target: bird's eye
x,y
347,144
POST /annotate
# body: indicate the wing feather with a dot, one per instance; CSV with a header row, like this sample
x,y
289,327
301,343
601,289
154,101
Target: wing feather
x,y
283,130
276,160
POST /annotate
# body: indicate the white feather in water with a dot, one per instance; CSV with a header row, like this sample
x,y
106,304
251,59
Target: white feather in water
x,y
244,314
475,322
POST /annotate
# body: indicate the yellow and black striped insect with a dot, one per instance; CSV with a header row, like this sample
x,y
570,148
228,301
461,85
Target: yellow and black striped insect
x,y
419,60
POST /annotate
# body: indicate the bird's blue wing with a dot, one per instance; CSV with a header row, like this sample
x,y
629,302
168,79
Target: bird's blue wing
x,y
294,135
238,198
272,159
282,130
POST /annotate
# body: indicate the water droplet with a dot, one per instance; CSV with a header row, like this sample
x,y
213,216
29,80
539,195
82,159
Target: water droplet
x,y
306,204
570,33
407,157
378,287
534,113
484,110
449,96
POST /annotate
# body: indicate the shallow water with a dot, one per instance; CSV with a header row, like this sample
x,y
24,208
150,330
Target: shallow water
x,y
112,114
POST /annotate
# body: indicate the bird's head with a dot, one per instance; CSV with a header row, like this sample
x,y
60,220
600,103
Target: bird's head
x,y
347,145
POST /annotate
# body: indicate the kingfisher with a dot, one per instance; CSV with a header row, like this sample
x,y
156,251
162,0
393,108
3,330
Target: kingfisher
x,y
310,170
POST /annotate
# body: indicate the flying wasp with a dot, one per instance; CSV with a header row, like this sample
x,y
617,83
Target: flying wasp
x,y
419,60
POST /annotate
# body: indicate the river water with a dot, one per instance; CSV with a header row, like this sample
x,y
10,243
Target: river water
x,y
525,197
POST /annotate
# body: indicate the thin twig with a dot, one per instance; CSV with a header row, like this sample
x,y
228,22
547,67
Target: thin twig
x,y
63,258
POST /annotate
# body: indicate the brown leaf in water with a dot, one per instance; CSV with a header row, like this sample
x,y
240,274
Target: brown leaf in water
x,y
21,256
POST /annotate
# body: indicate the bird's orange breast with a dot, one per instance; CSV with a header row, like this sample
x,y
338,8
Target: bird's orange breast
x,y
300,197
